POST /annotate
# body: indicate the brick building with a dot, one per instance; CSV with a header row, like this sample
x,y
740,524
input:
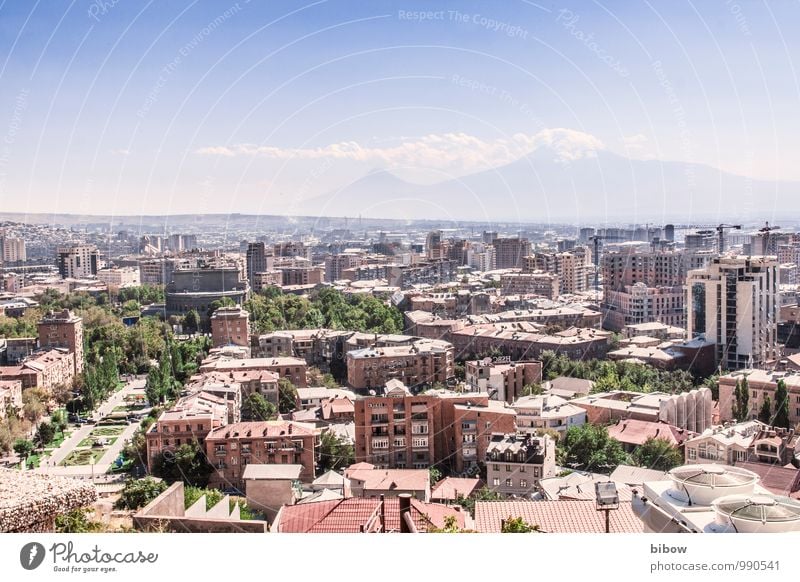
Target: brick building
x,y
63,330
189,421
425,362
230,326
231,448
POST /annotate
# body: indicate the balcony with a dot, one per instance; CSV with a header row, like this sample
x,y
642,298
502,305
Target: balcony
x,y
220,452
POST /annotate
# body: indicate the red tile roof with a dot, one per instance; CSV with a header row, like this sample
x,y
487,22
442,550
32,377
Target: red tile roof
x,y
775,478
636,432
348,515
450,488
390,479
555,516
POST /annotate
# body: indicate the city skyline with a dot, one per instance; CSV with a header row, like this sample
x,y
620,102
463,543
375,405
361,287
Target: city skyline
x,y
113,108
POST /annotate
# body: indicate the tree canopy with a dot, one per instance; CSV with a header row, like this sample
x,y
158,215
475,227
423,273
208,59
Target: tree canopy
x,y
590,448
657,454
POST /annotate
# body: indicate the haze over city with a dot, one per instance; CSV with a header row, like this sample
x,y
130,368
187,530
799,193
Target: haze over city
x,y
463,110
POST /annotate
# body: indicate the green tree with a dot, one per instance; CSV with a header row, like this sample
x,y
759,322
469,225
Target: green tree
x,y
435,475
589,448
59,420
191,321
188,463
741,404
532,390
154,387
765,414
23,447
77,521
657,454
335,452
287,396
45,433
139,492
32,405
256,407
517,525
781,406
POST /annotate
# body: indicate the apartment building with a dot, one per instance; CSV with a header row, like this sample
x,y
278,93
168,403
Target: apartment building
x,y
536,283
400,430
522,341
734,303
232,447
516,463
501,378
45,369
301,276
63,329
472,426
10,395
77,261
119,277
547,411
426,273
12,250
188,421
761,383
425,362
574,268
230,326
285,367
335,265
256,259
510,253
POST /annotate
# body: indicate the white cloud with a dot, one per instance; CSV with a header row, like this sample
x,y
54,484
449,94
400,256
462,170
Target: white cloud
x,y
451,151
637,146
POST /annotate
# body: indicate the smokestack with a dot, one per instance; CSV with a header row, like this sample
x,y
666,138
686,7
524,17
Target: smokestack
x,y
405,510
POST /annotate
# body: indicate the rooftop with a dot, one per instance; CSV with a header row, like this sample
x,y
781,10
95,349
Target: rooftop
x,y
555,516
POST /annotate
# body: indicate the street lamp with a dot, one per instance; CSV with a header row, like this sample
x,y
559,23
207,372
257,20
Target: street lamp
x,y
607,499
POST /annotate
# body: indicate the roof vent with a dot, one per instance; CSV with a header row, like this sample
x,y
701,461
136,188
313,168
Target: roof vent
x,y
757,513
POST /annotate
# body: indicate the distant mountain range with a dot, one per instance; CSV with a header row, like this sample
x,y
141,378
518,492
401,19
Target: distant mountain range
x,y
543,188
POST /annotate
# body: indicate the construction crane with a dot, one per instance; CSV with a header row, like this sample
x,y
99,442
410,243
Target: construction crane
x,y
765,230
720,228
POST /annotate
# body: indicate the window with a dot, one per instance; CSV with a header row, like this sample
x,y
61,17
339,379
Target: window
x,y
522,469
495,467
509,483
523,483
188,428
741,455
166,442
496,482
692,454
508,468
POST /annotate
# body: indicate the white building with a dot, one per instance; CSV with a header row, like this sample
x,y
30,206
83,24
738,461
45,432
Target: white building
x,y
547,411
119,277
734,303
77,261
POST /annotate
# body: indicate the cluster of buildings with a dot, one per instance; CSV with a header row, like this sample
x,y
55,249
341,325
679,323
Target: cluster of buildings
x,y
51,359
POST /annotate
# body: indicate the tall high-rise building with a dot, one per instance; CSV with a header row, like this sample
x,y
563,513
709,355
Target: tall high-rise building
x,y
256,260
643,286
63,329
734,303
77,261
435,246
12,250
510,253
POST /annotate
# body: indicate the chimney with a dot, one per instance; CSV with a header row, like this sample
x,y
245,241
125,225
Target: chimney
x,y
405,512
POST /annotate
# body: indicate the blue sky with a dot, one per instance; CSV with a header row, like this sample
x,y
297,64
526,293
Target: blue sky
x,y
134,107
